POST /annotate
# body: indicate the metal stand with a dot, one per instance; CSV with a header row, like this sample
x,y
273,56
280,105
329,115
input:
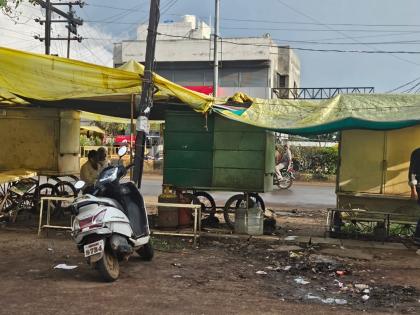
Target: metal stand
x,y
197,219
48,225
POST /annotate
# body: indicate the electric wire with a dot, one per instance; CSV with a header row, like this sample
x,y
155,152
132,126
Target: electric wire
x,y
403,85
409,90
340,32
299,48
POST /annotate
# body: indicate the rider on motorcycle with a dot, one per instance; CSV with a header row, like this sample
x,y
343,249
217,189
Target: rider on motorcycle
x,y
283,160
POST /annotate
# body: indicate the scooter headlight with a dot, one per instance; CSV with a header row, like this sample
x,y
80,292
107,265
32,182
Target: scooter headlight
x,y
109,175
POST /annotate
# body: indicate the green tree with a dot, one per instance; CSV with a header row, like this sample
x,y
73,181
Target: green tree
x,y
9,7
111,128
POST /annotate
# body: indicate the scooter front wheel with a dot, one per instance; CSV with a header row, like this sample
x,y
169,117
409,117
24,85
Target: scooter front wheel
x,y
108,266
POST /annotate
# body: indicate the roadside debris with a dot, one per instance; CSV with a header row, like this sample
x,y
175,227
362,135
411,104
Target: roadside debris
x,y
65,267
361,286
322,276
295,255
290,238
261,272
340,301
310,296
300,280
176,276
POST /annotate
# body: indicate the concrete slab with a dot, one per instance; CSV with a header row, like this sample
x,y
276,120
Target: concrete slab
x,y
285,248
297,240
304,240
326,241
370,244
267,238
347,253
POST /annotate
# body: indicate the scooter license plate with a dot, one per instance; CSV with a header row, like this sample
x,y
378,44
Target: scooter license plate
x,y
94,248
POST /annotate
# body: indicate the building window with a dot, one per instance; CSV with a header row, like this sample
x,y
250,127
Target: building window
x,y
281,80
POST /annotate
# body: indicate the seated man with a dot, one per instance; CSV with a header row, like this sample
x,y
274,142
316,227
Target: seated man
x,y
102,159
89,171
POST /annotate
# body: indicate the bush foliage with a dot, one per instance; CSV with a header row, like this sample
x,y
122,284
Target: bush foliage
x,y
316,160
85,141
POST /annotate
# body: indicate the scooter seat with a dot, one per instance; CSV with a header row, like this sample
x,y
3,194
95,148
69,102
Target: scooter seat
x,y
102,201
111,202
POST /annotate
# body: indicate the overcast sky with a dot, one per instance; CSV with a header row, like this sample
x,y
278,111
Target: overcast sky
x,y
290,22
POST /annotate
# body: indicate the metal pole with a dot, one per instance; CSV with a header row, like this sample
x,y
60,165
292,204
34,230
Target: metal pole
x,y
146,101
68,43
47,27
133,97
216,52
68,31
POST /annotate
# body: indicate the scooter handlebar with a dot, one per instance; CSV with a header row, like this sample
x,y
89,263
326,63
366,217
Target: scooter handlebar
x,y
129,166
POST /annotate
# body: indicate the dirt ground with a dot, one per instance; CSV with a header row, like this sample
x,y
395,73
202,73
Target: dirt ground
x,y
220,277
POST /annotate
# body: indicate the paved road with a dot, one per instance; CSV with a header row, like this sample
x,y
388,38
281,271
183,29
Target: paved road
x,y
300,195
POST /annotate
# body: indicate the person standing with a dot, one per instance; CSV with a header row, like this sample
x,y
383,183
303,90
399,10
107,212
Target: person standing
x,y
413,181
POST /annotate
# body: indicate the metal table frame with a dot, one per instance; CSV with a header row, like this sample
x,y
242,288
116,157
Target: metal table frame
x,y
385,217
48,225
197,219
196,228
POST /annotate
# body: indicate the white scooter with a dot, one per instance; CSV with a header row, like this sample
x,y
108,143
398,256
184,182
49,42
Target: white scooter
x,y
111,222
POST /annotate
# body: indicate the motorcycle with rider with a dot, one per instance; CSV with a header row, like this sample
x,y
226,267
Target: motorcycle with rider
x,y
284,171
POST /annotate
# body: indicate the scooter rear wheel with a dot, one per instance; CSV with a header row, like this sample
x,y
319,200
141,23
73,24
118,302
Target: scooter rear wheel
x,y
146,252
108,266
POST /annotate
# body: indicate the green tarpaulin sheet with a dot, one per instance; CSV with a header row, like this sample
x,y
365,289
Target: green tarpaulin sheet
x,y
302,117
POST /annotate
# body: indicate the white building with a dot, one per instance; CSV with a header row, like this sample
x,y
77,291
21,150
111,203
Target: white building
x,y
184,54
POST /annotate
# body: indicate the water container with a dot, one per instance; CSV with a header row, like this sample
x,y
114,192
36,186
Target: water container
x,y
167,216
255,221
185,217
241,220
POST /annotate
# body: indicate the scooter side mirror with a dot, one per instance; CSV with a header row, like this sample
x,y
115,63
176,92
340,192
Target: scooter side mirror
x,y
79,184
122,151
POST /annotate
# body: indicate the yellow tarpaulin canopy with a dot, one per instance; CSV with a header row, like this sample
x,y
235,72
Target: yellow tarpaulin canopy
x,y
58,82
92,129
29,76
7,98
104,118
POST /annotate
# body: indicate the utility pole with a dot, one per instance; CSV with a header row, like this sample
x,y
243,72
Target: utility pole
x,y
71,26
69,31
216,52
70,19
47,27
146,101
